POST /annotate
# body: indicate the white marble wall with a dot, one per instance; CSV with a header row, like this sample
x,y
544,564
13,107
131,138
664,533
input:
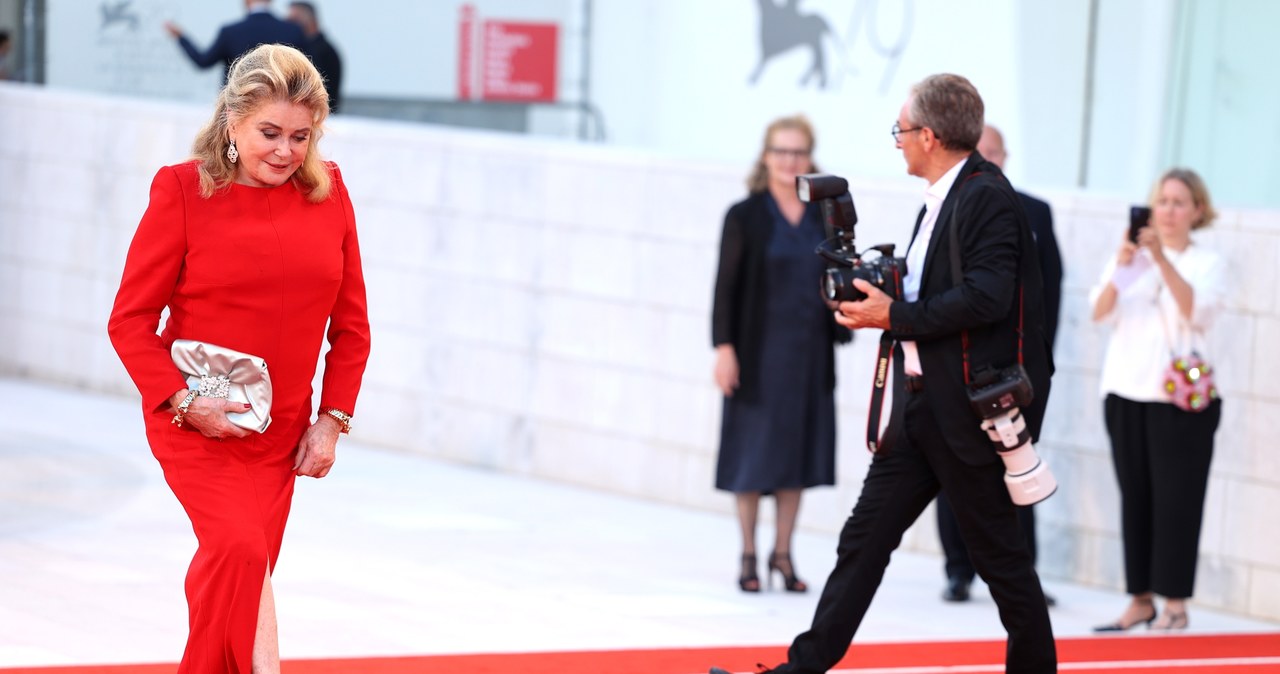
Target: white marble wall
x,y
543,309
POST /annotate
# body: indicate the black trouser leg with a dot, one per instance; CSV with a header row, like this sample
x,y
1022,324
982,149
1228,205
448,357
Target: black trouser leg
x,y
1128,431
898,487
988,522
956,552
1162,456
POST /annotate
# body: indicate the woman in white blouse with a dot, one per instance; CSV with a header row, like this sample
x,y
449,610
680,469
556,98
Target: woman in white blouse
x,y
1157,292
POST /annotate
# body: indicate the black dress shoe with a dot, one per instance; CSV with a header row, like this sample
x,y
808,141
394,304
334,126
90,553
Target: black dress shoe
x,y
957,590
762,670
1049,600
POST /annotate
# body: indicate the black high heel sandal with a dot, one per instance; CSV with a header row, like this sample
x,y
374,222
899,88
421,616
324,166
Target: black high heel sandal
x,y
748,580
781,562
1118,626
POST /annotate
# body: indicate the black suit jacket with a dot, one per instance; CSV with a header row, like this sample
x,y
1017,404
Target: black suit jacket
x,y
737,315
997,259
1041,220
237,38
327,61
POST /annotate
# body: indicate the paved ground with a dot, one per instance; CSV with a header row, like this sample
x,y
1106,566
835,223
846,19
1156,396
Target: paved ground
x,y
395,554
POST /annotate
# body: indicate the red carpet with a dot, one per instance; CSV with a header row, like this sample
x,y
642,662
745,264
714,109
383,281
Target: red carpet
x,y
1204,654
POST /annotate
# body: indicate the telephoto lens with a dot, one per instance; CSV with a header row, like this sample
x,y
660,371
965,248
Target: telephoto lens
x,y
1028,479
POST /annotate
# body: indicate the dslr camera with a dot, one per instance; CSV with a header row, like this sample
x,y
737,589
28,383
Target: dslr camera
x,y
844,262
996,397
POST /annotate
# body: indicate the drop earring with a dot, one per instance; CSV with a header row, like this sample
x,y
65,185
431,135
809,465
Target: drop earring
x,y
232,153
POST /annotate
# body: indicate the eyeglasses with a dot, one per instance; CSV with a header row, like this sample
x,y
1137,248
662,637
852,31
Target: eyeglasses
x,y
898,131
788,152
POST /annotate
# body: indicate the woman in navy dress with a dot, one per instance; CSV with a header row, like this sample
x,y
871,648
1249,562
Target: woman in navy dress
x,y
774,339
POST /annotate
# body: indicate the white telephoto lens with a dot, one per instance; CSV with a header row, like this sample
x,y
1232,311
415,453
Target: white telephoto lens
x,y
1028,479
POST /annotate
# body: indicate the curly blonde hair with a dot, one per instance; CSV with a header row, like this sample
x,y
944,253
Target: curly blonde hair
x,y
266,74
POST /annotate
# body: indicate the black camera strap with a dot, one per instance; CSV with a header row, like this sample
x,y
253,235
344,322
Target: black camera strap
x,y
877,391
957,279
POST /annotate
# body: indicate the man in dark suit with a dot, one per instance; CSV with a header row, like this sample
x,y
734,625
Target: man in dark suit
x,y
323,55
966,306
959,568
259,26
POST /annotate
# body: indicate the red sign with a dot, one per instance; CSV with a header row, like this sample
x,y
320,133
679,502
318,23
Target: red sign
x,y
519,62
514,61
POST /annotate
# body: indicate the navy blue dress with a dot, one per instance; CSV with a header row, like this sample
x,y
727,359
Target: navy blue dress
x,y
786,438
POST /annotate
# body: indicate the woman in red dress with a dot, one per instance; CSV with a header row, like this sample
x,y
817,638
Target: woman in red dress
x,y
251,246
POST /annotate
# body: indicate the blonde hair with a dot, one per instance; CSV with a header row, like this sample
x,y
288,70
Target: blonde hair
x,y
266,74
1199,193
758,179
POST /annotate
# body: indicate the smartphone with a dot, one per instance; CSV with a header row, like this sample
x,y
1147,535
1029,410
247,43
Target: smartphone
x,y
1139,217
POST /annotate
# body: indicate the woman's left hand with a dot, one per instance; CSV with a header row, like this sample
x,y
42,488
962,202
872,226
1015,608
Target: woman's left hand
x,y
318,448
1149,239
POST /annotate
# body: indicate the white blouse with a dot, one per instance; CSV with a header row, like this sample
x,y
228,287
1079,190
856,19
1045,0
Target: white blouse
x,y
1139,350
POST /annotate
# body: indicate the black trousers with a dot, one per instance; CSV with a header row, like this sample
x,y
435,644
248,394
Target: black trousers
x,y
1161,455
958,563
900,483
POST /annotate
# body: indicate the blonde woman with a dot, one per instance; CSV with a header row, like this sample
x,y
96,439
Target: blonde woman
x,y
251,245
1156,289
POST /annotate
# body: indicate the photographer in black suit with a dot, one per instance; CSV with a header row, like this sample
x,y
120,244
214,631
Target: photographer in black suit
x,y
959,568
991,317
322,52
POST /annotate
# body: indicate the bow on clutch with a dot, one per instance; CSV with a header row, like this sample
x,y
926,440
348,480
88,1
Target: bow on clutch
x,y
218,372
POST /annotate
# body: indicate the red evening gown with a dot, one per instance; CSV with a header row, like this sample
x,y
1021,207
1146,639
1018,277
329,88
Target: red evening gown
x,y
258,270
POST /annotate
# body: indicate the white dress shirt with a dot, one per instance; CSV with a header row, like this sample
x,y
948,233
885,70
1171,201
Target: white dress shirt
x,y
1146,323
934,195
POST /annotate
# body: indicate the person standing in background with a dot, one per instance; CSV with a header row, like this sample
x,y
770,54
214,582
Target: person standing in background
x,y
1155,291
322,52
775,359
959,567
6,48
259,26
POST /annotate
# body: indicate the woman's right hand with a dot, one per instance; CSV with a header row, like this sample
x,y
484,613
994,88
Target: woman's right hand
x,y
726,370
209,416
1128,249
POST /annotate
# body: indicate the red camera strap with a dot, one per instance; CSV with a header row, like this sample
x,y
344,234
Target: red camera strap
x,y
957,278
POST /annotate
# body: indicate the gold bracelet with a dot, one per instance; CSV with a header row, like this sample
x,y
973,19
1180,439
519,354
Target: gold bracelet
x,y
342,417
182,408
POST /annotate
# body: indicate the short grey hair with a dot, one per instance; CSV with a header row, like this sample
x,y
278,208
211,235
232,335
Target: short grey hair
x,y
950,105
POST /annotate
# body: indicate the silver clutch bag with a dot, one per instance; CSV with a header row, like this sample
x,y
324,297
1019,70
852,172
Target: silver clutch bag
x,y
218,372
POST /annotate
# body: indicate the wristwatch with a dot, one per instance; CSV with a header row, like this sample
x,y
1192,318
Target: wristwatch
x,y
342,417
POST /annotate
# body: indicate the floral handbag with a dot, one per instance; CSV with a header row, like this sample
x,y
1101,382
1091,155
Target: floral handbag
x,y
1189,378
1189,383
